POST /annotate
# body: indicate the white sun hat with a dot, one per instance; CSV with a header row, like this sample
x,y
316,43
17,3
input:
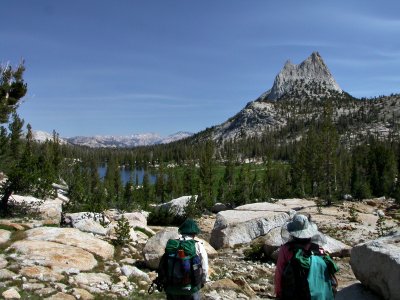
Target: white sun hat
x,y
300,227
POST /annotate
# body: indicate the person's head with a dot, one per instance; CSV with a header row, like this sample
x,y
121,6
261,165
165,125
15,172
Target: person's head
x,y
189,227
302,229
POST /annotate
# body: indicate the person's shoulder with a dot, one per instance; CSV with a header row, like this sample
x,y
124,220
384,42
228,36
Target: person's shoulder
x,y
286,248
289,245
199,243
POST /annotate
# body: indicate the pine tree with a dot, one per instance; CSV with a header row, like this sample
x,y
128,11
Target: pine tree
x,y
129,194
98,200
113,183
242,191
299,175
227,186
189,180
15,143
360,187
22,175
12,89
77,192
46,171
206,174
383,170
146,191
94,175
56,152
3,140
159,184
122,232
329,141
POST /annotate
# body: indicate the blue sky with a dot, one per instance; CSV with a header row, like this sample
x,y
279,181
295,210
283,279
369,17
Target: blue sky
x,y
123,67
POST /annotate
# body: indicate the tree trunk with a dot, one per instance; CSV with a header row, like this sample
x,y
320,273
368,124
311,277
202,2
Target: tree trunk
x,y
4,200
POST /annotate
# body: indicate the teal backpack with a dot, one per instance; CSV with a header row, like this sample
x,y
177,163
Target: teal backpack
x,y
180,271
308,275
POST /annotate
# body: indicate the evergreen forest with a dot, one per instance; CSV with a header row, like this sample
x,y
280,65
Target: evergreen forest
x,y
327,162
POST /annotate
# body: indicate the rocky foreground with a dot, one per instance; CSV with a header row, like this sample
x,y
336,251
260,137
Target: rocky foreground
x,y
41,260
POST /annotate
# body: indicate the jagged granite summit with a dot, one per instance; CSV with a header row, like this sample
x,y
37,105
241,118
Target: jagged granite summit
x,y
311,71
310,80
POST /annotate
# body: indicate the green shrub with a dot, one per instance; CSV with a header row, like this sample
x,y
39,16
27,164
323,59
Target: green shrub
x,y
165,217
353,214
255,252
122,232
381,228
192,210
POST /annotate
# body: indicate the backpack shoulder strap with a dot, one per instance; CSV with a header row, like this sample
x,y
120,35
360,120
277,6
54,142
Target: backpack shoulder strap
x,y
315,249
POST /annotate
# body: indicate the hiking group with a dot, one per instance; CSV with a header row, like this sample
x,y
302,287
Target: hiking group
x,y
304,271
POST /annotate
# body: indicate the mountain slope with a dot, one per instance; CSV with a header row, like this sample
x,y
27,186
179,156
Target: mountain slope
x,y
142,139
298,98
110,141
310,80
43,136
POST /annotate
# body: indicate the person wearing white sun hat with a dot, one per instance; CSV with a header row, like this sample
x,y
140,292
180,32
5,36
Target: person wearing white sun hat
x,y
302,251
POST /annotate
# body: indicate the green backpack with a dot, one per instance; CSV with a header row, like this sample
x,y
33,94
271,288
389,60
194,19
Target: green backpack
x,y
307,276
180,269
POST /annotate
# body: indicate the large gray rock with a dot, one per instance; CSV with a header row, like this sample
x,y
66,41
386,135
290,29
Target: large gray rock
x,y
6,274
295,203
60,296
54,255
89,225
136,219
82,294
211,252
48,210
41,273
11,294
72,237
73,218
262,206
273,240
92,279
177,205
356,292
4,236
131,271
218,207
94,282
336,248
155,246
3,261
228,290
282,205
233,227
377,265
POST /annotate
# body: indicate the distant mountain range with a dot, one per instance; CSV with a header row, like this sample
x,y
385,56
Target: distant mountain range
x,y
110,141
295,101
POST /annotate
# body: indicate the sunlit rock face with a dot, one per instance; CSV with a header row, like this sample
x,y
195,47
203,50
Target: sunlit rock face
x,y
310,72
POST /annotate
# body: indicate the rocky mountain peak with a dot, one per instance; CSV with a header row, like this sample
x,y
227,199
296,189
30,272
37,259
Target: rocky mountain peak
x,y
311,70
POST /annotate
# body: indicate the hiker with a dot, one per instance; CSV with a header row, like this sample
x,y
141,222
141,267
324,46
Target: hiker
x,y
304,271
183,269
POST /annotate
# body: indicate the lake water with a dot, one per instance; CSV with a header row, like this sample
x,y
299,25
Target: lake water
x,y
126,174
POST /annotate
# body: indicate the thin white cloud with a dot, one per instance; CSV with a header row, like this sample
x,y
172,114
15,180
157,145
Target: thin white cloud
x,y
392,55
